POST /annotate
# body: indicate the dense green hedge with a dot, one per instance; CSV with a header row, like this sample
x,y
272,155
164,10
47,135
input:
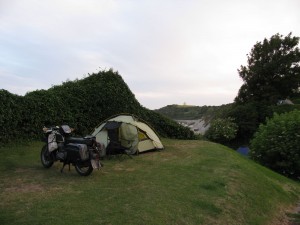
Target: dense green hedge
x,y
276,144
82,104
11,115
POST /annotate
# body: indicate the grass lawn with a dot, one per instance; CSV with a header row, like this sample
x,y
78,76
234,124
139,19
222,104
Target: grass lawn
x,y
190,182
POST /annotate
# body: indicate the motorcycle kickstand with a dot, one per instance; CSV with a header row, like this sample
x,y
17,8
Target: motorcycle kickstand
x,y
64,167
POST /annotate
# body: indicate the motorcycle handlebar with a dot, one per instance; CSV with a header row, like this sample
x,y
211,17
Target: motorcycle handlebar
x,y
48,129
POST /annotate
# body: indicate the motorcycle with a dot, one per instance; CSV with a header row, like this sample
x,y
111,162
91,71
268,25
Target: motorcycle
x,y
83,153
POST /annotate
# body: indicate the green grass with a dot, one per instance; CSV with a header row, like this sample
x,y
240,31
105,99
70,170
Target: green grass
x,y
190,182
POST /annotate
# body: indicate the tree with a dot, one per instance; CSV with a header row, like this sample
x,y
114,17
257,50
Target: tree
x,y
273,71
247,119
221,130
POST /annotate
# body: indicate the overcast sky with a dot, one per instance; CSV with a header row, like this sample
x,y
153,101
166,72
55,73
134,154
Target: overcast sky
x,y
167,51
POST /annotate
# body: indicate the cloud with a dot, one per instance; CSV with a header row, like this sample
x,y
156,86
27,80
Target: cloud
x,y
19,85
168,52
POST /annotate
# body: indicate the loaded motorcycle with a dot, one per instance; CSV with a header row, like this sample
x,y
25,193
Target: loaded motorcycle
x,y
83,153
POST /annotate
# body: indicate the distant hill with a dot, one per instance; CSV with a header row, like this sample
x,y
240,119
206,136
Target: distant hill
x,y
196,118
190,112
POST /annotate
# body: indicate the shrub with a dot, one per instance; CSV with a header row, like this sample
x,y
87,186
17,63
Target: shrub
x,y
222,130
11,113
277,144
82,104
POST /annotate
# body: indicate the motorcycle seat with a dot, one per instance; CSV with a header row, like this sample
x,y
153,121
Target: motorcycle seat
x,y
79,140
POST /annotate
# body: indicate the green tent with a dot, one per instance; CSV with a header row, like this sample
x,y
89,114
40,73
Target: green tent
x,y
133,133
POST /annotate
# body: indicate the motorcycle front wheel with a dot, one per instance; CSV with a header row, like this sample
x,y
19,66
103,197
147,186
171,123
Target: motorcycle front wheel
x,y
46,159
84,169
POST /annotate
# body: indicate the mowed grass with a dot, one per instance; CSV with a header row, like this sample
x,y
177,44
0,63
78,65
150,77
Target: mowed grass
x,y
190,182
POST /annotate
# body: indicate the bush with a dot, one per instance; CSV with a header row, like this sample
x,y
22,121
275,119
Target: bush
x,y
222,130
11,113
277,144
82,104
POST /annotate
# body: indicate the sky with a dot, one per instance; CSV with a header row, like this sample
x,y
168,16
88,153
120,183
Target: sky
x,y
167,51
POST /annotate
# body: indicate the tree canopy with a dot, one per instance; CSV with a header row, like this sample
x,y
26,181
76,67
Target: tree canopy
x,y
273,70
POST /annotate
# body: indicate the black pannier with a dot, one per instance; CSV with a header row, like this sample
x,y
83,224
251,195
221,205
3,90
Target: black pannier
x,y
77,151
59,137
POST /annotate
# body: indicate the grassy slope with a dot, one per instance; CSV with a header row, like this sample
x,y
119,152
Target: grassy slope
x,y
190,182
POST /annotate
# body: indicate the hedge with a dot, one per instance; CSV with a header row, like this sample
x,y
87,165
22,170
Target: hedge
x,y
82,104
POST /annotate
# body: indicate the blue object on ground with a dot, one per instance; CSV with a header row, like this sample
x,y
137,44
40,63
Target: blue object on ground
x,y
243,150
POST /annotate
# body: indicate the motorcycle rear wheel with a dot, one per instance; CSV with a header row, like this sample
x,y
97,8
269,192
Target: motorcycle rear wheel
x,y
84,169
46,159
